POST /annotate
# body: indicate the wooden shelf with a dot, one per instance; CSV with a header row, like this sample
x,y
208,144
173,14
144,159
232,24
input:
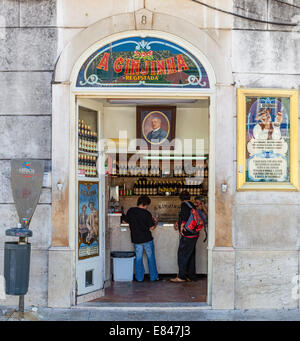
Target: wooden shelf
x,y
88,153
156,177
160,196
86,178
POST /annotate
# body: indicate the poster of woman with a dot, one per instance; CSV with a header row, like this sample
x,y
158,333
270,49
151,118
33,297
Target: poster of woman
x,y
88,219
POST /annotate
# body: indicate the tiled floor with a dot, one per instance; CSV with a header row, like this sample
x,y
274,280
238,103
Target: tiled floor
x,y
160,291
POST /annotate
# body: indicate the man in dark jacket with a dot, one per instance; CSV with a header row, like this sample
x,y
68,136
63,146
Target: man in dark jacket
x,y
187,243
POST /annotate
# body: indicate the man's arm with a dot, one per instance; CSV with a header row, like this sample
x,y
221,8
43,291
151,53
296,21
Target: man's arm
x,y
155,224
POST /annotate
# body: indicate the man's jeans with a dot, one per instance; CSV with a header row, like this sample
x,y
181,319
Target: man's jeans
x,y
139,266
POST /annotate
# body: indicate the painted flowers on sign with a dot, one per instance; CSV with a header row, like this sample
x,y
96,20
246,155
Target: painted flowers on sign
x,y
142,62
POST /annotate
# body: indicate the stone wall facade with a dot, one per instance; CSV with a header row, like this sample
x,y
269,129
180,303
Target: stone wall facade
x,y
266,225
28,52
256,246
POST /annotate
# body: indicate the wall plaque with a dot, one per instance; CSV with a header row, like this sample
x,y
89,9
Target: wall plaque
x,y
267,139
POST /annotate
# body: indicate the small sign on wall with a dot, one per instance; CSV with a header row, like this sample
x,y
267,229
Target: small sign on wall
x,y
267,139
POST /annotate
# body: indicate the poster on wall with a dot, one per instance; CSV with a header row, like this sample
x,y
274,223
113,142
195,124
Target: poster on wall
x,y
268,143
88,219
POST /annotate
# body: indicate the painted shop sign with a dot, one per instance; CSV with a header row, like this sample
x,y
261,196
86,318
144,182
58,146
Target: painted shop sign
x,y
142,62
267,127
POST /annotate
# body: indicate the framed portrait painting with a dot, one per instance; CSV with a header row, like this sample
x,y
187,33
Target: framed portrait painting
x,y
267,139
156,125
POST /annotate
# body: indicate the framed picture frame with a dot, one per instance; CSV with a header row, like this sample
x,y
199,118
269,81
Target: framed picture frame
x,y
267,139
156,125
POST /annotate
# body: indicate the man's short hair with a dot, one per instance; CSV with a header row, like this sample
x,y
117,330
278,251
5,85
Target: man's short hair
x,y
200,198
143,200
184,195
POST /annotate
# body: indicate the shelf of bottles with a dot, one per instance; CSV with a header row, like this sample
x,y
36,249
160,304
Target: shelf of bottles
x,y
87,150
163,188
176,171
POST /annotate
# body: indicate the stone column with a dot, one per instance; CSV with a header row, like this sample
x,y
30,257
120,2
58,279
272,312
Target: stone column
x,y
61,288
223,256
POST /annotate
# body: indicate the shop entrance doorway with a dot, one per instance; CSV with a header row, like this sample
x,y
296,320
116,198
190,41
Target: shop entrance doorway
x,y
109,183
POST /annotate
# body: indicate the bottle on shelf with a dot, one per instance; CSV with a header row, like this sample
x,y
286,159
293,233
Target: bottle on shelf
x,y
206,170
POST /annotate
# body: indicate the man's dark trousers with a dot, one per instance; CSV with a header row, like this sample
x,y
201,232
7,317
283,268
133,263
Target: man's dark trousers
x,y
186,258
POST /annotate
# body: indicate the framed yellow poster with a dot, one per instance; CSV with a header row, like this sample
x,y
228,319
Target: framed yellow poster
x,y
267,139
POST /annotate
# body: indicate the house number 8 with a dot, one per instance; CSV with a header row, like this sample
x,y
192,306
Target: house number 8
x,y
144,19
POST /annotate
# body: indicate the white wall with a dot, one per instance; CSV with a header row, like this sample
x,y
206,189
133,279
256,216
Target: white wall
x,y
191,122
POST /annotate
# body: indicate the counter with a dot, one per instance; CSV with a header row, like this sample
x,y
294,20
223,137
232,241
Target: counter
x,y
166,241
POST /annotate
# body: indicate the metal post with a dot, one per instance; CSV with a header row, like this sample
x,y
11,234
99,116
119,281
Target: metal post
x,y
21,303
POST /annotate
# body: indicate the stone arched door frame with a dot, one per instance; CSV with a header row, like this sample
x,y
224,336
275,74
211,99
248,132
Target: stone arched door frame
x,y
62,285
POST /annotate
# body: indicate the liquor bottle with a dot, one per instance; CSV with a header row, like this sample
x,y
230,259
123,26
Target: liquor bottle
x,y
83,139
154,189
141,188
147,187
198,188
90,166
159,188
194,188
87,167
146,191
173,188
88,148
79,138
191,187
83,165
151,188
79,164
95,165
206,170
93,142
176,188
114,167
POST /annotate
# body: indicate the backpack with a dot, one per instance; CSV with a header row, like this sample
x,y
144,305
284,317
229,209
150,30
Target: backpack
x,y
194,224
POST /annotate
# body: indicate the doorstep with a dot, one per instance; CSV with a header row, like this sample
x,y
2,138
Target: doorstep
x,y
142,306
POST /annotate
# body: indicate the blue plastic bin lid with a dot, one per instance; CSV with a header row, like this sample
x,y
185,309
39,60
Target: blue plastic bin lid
x,y
122,254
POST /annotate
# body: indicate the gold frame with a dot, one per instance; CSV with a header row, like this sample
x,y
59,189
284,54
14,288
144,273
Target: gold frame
x,y
242,185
